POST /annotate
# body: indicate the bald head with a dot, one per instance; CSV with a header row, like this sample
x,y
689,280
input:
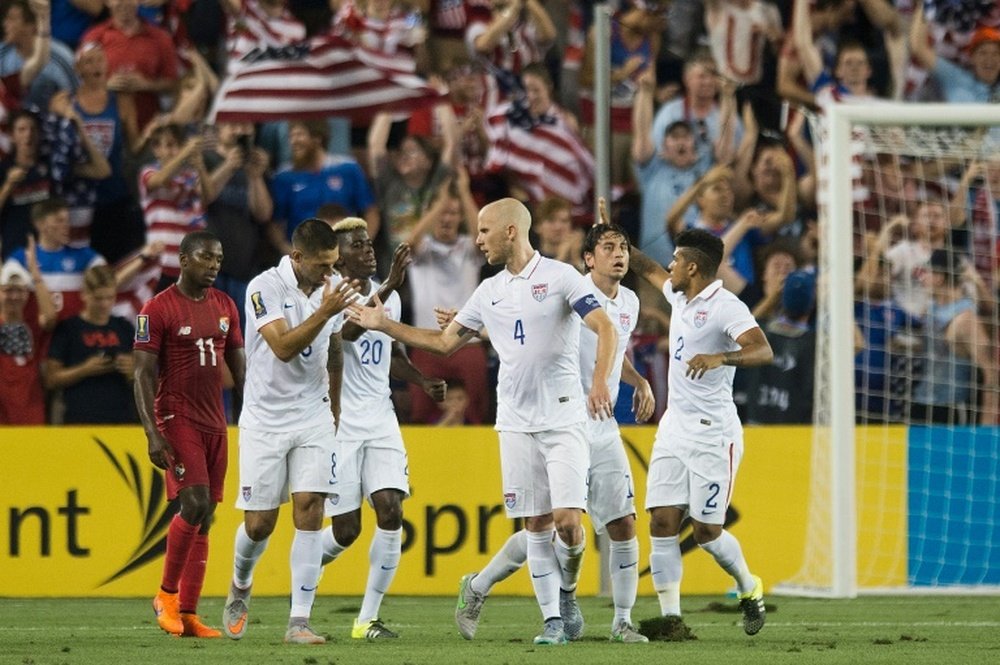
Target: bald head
x,y
509,211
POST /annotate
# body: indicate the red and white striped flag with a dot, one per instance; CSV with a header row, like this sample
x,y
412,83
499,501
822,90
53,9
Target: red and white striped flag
x,y
324,76
549,159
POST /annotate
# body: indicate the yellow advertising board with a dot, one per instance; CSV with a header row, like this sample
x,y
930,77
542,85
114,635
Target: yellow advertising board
x,y
84,513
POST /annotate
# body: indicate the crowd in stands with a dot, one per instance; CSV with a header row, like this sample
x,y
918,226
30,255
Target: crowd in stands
x,y
108,157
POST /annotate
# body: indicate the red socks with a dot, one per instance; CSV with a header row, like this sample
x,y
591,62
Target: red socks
x,y
180,538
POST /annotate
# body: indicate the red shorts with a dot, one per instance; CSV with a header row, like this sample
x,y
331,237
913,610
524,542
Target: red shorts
x,y
200,458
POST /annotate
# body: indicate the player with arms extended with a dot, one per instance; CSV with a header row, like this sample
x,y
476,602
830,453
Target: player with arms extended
x,y
699,442
610,501
370,457
289,417
532,311
183,335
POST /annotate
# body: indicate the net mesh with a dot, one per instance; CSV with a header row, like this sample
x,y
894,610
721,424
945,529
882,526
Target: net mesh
x,y
926,214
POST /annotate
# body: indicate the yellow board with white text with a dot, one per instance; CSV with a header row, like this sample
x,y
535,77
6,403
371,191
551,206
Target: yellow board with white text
x,y
84,513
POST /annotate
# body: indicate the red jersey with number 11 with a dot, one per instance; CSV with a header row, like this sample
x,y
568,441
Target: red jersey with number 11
x,y
189,338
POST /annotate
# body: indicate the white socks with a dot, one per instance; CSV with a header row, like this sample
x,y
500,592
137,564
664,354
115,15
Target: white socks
x,y
307,550
545,573
666,570
331,548
246,553
504,563
570,559
383,559
728,554
623,561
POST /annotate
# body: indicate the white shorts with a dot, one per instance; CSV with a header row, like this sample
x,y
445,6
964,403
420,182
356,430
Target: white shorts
x,y
361,468
275,464
612,494
544,470
696,475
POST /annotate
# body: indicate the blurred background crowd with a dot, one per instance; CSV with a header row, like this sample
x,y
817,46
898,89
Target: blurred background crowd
x,y
109,156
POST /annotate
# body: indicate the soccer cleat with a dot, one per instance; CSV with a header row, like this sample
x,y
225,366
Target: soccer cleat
x,y
470,604
572,617
166,607
626,633
553,633
372,630
301,633
234,615
752,605
193,627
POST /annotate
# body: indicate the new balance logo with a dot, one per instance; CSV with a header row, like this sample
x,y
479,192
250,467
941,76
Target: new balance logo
x,y
185,330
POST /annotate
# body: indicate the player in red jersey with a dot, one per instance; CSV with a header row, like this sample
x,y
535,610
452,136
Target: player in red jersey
x,y
184,334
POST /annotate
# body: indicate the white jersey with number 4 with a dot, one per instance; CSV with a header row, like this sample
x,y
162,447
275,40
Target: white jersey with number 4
x,y
623,310
285,396
703,409
533,319
366,409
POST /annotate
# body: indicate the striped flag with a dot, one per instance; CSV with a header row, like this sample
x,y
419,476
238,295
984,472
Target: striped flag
x,y
324,76
547,158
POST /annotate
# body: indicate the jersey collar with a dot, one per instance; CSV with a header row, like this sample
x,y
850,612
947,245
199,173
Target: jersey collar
x,y
709,291
527,271
286,273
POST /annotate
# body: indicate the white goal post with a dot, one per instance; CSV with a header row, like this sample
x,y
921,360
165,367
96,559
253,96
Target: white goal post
x,y
833,504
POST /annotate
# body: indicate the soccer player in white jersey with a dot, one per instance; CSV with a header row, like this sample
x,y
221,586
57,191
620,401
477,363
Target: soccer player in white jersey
x,y
699,442
369,457
531,310
288,419
610,502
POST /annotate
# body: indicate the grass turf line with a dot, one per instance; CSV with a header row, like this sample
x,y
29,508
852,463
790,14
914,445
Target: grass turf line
x,y
873,630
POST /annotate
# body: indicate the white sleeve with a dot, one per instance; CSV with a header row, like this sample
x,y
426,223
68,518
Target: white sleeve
x,y
738,319
471,314
264,302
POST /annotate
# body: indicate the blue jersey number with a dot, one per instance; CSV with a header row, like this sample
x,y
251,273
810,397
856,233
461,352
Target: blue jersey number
x,y
519,331
371,352
680,347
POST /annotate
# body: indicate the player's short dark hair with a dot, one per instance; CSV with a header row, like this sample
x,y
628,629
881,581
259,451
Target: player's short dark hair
x,y
192,241
49,206
702,248
596,232
313,236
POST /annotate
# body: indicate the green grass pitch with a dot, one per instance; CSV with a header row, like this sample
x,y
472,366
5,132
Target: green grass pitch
x,y
870,630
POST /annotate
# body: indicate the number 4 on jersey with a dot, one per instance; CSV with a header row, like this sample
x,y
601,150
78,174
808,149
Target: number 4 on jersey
x,y
519,331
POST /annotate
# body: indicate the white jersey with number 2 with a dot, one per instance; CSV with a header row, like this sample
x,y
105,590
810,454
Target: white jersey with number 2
x,y
703,409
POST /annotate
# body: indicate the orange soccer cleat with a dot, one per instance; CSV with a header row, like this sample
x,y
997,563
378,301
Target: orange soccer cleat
x,y
166,606
193,627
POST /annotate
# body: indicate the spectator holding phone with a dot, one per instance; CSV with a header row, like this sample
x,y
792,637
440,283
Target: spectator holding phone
x,y
90,357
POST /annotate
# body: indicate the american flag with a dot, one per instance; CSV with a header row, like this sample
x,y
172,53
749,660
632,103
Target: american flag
x,y
324,76
546,158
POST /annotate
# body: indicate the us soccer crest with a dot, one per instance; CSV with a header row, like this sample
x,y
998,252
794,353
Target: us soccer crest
x,y
510,500
247,491
259,310
539,291
224,324
700,318
625,321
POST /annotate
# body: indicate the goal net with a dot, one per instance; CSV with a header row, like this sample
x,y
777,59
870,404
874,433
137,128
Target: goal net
x,y
905,478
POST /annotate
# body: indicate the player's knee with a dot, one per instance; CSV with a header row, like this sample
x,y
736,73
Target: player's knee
x,y
569,530
346,530
705,533
622,528
388,505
